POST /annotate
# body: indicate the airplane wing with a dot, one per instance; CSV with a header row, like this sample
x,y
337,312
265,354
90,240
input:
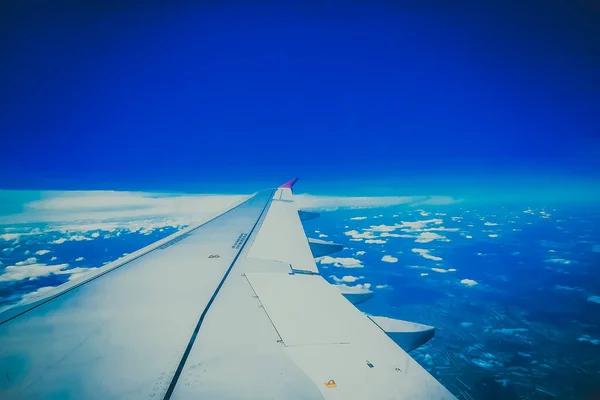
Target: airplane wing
x,y
233,308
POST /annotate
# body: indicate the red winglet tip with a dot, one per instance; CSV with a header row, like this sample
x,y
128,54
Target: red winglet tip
x,y
288,185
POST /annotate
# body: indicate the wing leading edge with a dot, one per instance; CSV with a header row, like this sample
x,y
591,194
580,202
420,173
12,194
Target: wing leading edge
x,y
257,322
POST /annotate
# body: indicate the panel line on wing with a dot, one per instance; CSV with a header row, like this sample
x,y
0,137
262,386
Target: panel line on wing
x,y
203,315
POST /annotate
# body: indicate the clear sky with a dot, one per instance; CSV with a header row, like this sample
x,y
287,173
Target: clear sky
x,y
415,97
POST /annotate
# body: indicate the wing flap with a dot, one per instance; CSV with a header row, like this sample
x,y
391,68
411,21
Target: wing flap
x,y
330,340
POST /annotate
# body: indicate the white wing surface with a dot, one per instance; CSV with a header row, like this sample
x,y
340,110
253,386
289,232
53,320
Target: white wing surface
x,y
232,309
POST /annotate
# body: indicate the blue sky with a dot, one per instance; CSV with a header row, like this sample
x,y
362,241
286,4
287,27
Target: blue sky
x,y
379,98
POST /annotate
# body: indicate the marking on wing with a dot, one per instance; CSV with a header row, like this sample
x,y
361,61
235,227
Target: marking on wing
x,y
179,236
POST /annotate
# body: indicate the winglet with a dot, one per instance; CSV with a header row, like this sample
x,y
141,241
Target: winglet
x,y
288,185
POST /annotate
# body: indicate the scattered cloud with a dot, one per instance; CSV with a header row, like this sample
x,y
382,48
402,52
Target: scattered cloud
x,y
360,252
10,236
439,270
469,282
389,259
510,331
424,274
60,206
381,228
594,299
426,237
490,224
376,241
307,201
54,258
359,236
451,269
489,363
346,279
41,292
42,252
560,261
358,218
382,286
31,272
396,235
569,288
322,235
588,339
493,235
344,262
74,238
469,237
79,259
29,261
425,254
360,288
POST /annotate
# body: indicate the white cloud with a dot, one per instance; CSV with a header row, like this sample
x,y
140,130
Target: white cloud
x,y
452,270
360,288
74,238
417,226
38,294
42,252
382,286
358,218
594,299
396,235
376,241
53,259
31,271
95,234
469,237
468,282
357,235
425,254
560,261
389,259
30,260
345,262
510,331
424,213
360,252
346,279
424,274
493,235
381,228
426,237
57,206
10,236
322,235
79,259
440,270
307,201
568,288
490,224
588,339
